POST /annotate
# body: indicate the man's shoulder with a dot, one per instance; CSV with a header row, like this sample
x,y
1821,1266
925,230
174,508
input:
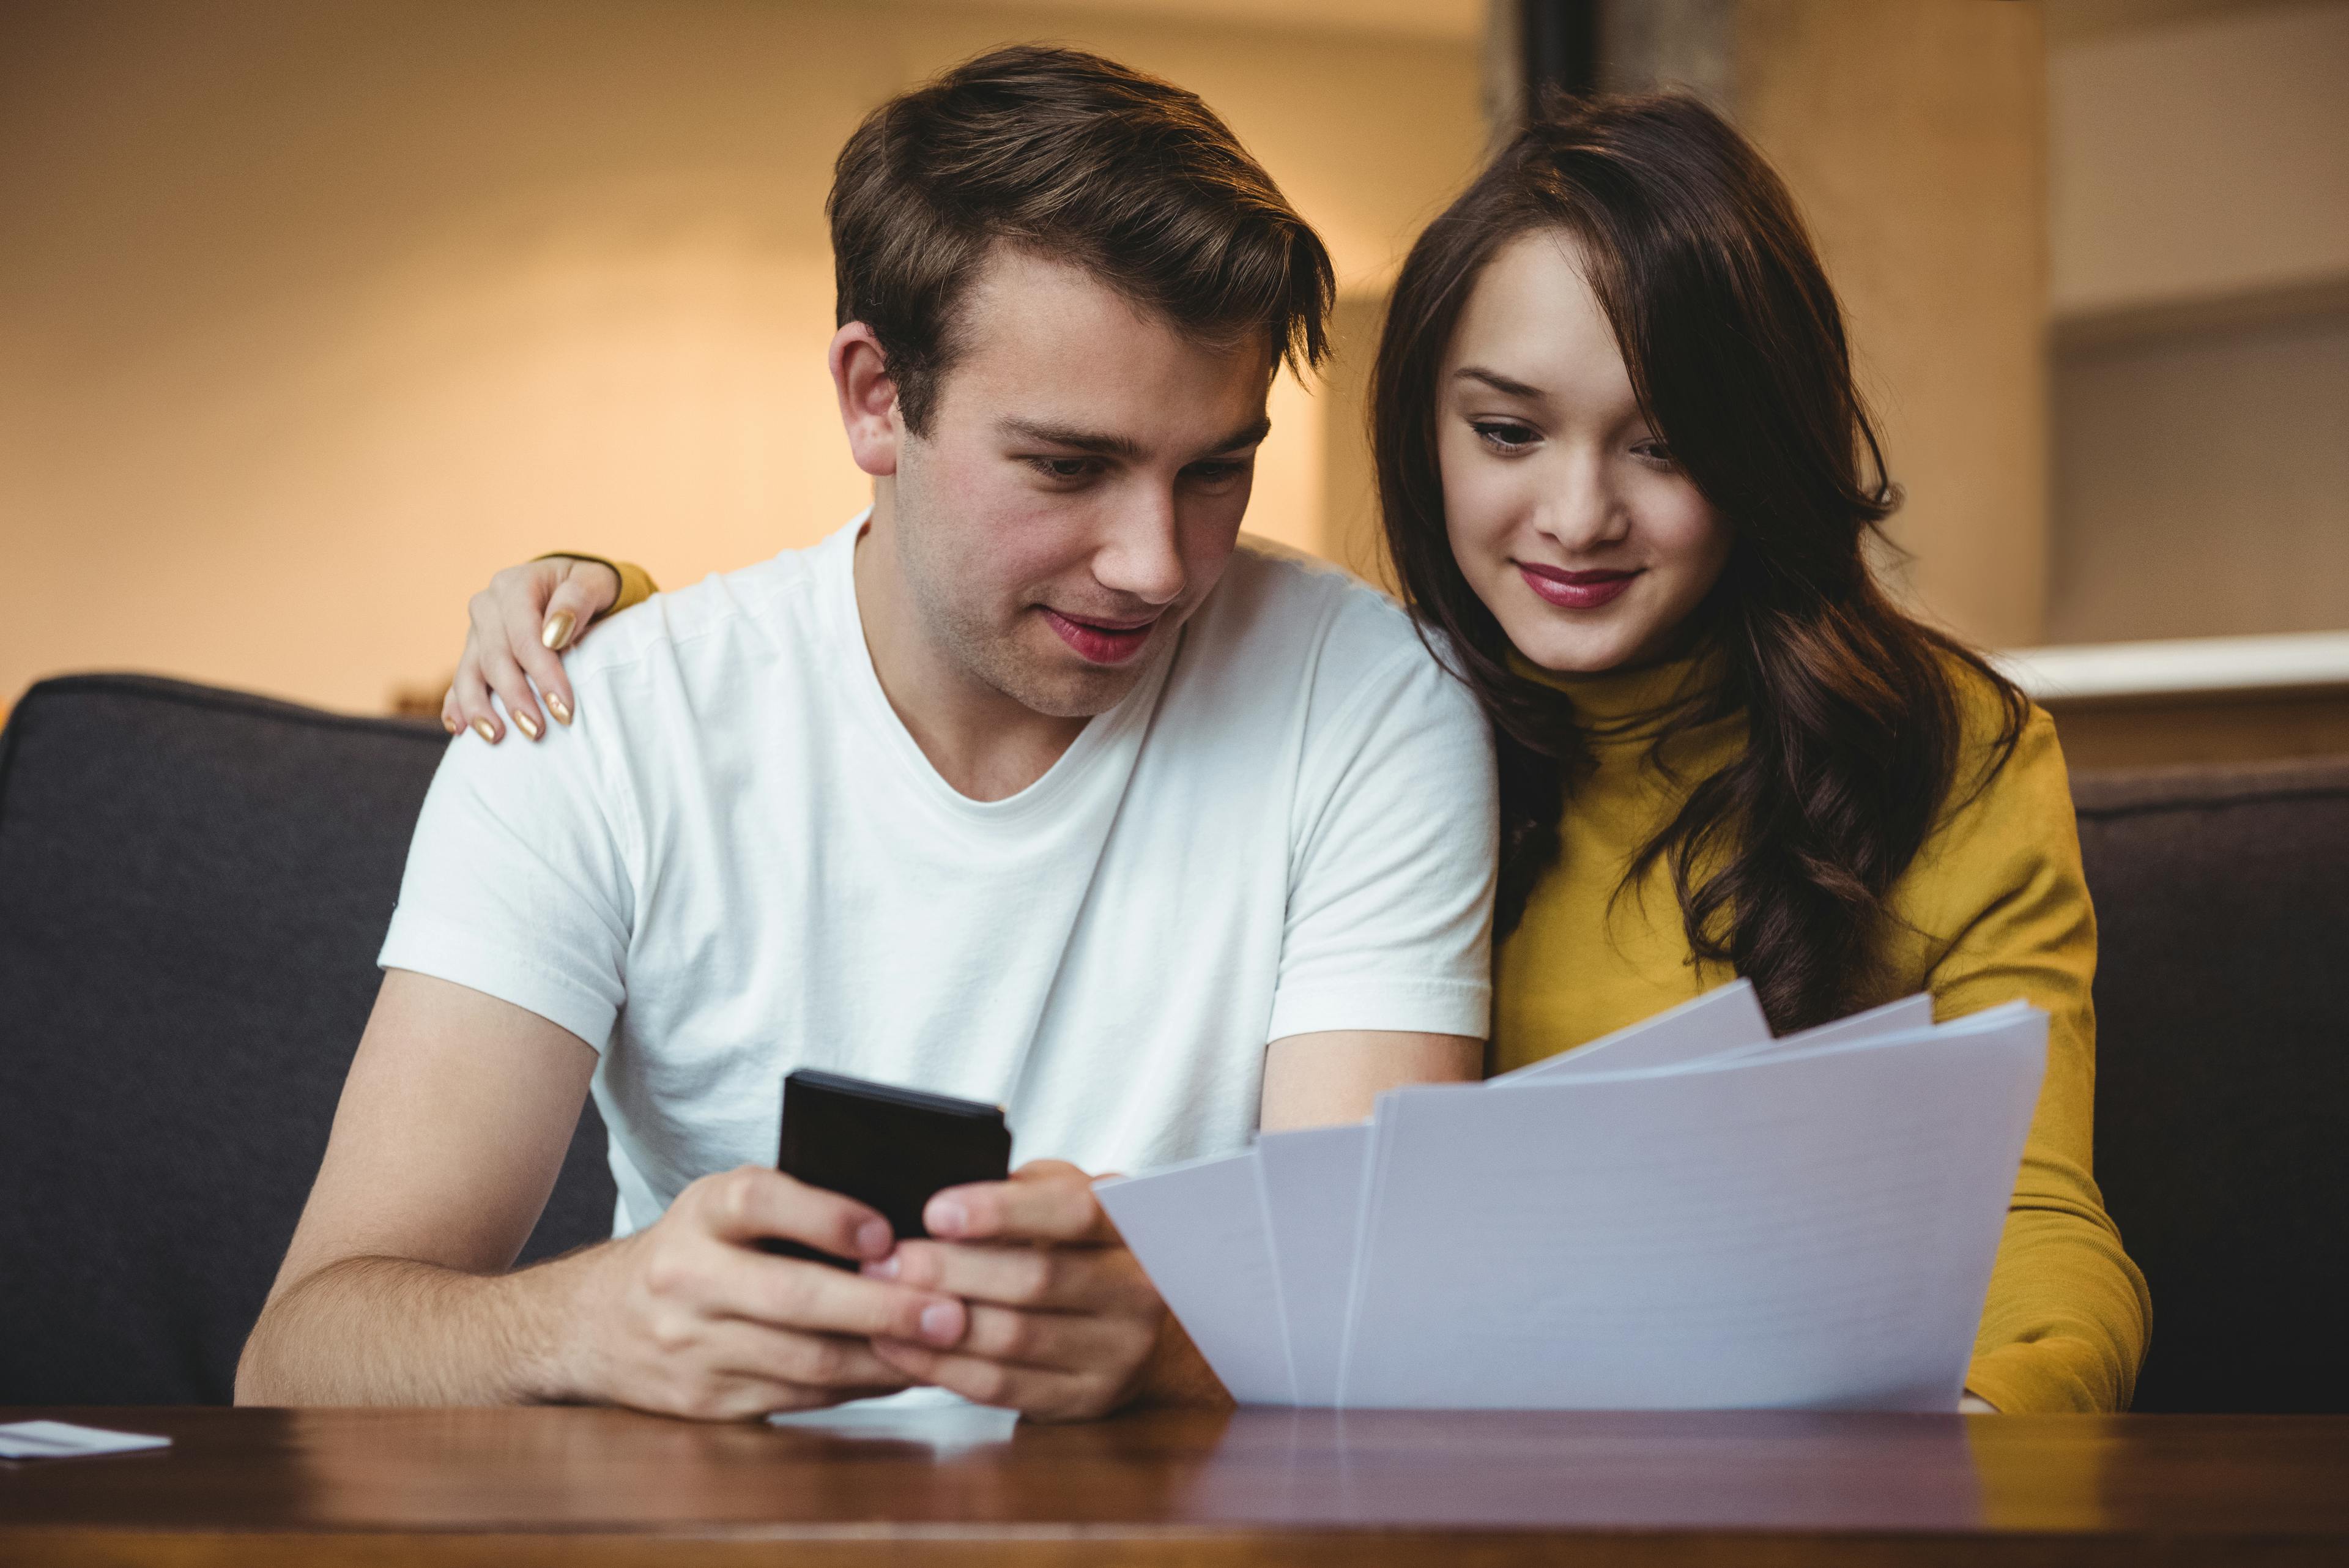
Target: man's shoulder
x,y
751,612
1272,595
1289,631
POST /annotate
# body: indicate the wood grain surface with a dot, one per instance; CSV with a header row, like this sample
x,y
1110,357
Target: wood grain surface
x,y
585,1487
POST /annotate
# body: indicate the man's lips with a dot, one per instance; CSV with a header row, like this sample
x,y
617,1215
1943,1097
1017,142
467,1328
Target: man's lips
x,y
1100,642
1575,590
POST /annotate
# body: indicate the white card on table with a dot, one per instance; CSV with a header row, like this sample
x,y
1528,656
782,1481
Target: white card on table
x,y
64,1440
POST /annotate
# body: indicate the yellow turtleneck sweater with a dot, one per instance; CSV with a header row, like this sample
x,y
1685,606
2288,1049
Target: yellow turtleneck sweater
x,y
1994,907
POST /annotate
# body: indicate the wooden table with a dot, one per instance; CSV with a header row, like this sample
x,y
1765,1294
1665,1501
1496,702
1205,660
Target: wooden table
x,y
586,1488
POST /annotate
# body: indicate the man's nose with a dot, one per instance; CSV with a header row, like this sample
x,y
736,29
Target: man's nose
x,y
1141,557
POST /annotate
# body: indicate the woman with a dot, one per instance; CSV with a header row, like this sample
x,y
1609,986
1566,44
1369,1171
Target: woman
x,y
1626,475
1628,487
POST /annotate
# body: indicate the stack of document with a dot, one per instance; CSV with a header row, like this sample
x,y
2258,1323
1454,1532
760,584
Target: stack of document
x,y
1687,1215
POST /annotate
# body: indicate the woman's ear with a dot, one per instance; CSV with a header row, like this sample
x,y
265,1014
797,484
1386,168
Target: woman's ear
x,y
868,399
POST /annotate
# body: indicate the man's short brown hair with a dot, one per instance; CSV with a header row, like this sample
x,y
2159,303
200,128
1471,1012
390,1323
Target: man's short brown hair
x,y
1083,161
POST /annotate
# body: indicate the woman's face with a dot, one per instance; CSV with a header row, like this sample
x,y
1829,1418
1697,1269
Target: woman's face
x,y
1567,516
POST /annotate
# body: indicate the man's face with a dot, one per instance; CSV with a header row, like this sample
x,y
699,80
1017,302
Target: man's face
x,y
1079,488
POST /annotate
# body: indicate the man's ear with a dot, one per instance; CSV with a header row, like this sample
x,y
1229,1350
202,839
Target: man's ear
x,y
868,399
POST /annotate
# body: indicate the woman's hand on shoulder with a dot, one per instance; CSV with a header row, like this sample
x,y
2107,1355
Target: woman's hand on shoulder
x,y
521,624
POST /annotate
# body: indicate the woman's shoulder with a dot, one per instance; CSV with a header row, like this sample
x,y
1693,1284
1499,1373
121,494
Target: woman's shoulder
x,y
2010,780
1996,903
2005,848
2000,731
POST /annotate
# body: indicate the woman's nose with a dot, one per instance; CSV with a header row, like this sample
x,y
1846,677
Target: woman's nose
x,y
1579,508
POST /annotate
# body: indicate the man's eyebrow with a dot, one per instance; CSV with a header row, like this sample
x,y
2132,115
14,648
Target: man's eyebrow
x,y
1497,381
1250,434
1101,443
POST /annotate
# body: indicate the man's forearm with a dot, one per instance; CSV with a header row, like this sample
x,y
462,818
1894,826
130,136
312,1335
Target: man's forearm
x,y
392,1330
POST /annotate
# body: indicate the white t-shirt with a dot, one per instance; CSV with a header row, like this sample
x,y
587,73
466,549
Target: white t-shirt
x,y
737,862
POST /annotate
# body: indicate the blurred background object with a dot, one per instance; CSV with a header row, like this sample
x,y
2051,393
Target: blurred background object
x,y
312,317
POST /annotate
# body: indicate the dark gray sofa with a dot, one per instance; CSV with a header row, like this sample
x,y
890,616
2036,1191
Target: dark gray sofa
x,y
192,887
2222,1071
193,884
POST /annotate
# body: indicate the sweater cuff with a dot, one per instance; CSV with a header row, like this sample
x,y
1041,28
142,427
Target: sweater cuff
x,y
2030,1379
636,585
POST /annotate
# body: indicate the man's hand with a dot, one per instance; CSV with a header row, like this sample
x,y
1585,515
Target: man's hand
x,y
399,1287
1065,1325
688,1317
521,623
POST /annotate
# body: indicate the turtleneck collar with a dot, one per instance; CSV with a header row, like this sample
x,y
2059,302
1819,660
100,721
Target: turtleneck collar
x,y
1617,706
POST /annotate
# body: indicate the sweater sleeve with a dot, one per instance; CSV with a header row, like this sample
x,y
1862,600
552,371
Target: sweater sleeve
x,y
2068,1317
636,585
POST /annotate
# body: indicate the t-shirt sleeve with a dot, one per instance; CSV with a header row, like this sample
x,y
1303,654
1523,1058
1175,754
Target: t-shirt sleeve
x,y
517,882
1390,883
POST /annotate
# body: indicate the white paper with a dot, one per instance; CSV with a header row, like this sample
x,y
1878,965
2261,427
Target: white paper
x,y
1313,1196
1813,1230
1909,1013
1826,1186
1726,1018
1318,1187
1200,1233
1903,1022
63,1440
1316,1183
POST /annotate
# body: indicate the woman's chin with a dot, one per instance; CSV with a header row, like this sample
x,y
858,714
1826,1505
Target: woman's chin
x,y
1594,651
1598,643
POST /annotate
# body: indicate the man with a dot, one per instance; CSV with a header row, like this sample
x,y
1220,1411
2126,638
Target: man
x,y
1029,786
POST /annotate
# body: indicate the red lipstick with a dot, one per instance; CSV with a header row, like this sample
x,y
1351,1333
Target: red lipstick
x,y
1101,641
1575,590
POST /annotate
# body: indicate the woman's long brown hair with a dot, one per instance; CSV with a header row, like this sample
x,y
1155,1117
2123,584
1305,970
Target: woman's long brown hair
x,y
1735,348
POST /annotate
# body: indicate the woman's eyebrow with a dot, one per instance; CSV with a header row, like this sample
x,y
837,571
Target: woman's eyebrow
x,y
1496,380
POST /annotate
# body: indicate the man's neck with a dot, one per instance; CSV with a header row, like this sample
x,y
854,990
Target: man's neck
x,y
984,745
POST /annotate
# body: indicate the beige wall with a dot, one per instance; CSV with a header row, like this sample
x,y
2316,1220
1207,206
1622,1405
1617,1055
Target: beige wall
x,y
2204,484
2204,158
2201,227
310,316
1914,136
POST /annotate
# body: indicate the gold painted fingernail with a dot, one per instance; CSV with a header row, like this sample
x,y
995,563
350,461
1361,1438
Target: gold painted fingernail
x,y
558,706
558,629
481,728
449,724
530,726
